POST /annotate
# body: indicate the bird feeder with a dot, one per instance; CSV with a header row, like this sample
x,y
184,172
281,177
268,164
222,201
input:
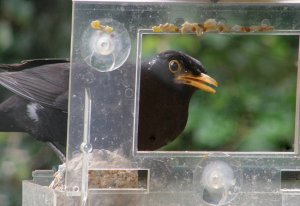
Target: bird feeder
x,y
109,161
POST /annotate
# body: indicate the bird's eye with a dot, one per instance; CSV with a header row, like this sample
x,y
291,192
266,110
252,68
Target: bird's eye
x,y
174,66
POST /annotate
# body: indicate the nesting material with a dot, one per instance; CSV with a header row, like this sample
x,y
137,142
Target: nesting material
x,y
113,179
59,178
104,172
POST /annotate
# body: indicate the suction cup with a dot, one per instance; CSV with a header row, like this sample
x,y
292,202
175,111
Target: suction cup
x,y
105,45
219,183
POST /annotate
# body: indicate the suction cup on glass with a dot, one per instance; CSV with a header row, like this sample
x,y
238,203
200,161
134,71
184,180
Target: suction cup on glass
x,y
105,45
220,182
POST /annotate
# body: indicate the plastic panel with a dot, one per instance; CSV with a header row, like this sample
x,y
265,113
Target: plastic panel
x,y
104,110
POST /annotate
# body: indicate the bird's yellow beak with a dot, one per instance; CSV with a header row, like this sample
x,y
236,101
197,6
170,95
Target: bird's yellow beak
x,y
200,82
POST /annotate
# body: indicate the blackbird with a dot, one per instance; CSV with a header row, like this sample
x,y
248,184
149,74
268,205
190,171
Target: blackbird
x,y
39,100
167,84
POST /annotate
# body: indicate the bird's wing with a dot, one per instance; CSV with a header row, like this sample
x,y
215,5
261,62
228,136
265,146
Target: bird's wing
x,y
46,84
27,64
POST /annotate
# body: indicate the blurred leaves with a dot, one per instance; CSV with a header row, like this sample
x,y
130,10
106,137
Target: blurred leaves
x,y
34,29
5,36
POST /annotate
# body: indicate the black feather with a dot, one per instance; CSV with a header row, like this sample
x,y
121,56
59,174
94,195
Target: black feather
x,y
46,84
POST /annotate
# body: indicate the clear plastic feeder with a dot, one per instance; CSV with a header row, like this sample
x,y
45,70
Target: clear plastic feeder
x,y
104,165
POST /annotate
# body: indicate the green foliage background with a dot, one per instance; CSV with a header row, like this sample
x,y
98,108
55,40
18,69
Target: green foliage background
x,y
29,29
252,110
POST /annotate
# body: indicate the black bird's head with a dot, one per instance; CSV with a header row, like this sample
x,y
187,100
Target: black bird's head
x,y
167,84
180,71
